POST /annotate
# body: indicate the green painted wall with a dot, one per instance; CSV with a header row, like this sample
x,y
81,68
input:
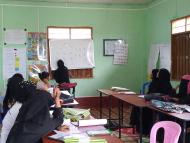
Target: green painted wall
x,y
158,17
140,26
108,21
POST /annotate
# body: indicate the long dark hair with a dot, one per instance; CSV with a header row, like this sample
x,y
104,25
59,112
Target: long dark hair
x,y
43,75
11,85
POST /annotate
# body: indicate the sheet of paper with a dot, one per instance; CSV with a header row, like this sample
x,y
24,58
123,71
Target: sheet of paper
x,y
15,36
127,92
66,92
76,53
120,55
141,96
14,61
92,122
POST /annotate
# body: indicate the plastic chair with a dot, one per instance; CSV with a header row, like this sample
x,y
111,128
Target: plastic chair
x,y
172,131
145,87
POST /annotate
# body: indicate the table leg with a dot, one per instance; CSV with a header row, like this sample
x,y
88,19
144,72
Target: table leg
x,y
140,125
110,106
100,105
119,112
122,114
184,131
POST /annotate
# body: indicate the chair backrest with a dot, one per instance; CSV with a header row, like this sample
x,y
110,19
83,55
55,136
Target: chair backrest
x,y
172,131
144,88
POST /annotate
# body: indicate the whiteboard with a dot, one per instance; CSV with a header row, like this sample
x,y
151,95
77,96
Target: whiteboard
x,y
76,54
14,61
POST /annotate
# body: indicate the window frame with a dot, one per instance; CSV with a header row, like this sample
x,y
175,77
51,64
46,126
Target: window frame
x,y
179,51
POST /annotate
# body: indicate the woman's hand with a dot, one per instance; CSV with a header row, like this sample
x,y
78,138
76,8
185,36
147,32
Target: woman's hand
x,y
56,96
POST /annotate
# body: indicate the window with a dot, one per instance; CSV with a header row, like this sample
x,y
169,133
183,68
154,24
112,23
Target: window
x,y
71,33
180,54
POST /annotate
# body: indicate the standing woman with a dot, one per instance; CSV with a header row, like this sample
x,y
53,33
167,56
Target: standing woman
x,y
61,74
43,83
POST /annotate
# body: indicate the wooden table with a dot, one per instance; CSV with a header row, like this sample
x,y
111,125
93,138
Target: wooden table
x,y
131,99
134,100
109,138
106,92
184,117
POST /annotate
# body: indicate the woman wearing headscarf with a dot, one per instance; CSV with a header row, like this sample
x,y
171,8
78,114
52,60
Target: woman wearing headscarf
x,y
154,83
9,96
164,85
20,95
61,74
33,120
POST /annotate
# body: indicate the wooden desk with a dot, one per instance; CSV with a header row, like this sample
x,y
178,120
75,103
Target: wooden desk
x,y
106,92
133,100
184,117
109,138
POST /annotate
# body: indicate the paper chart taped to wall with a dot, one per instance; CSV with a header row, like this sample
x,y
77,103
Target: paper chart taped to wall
x,y
76,54
14,61
15,36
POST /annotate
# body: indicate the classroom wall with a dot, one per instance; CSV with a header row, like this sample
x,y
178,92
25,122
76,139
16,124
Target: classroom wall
x,y
108,22
140,26
158,17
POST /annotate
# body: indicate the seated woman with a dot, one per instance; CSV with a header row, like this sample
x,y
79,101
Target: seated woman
x,y
154,81
33,120
9,96
43,84
20,96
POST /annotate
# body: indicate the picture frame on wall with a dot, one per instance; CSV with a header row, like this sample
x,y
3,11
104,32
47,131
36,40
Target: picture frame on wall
x,y
109,46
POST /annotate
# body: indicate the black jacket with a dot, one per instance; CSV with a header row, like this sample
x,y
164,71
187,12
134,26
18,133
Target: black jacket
x,y
34,121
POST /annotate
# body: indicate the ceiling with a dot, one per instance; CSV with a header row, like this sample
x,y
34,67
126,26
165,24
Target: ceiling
x,y
131,2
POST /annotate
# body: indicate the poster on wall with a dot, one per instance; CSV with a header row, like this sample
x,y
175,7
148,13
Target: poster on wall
x,y
76,54
14,61
34,69
120,53
36,48
15,36
161,52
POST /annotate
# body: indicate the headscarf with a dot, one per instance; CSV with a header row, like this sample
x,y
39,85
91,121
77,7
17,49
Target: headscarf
x,y
165,86
61,74
154,83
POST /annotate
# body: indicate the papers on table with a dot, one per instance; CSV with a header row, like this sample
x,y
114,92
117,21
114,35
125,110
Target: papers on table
x,y
75,136
98,132
91,122
119,88
50,90
66,92
141,96
127,92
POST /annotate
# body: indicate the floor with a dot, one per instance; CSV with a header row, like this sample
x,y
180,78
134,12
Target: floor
x,y
127,135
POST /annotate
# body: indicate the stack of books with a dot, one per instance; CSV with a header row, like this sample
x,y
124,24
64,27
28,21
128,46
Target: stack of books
x,y
76,114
